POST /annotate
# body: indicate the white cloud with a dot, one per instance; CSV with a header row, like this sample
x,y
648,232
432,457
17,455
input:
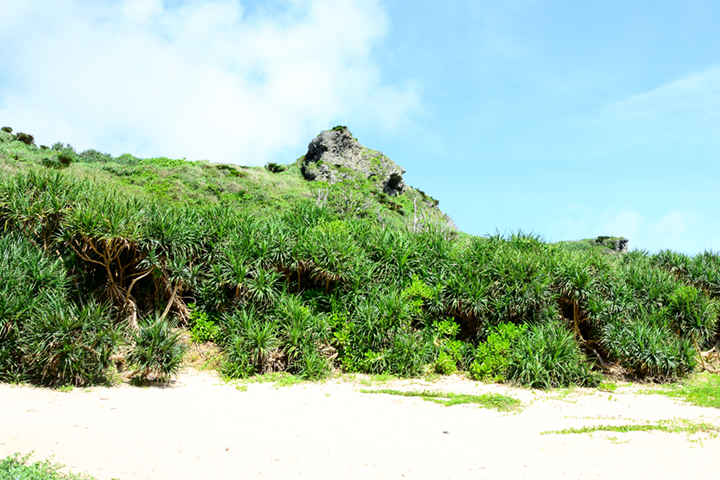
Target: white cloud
x,y
200,79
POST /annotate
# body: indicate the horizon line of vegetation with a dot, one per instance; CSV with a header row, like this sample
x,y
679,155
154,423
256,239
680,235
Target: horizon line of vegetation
x,y
95,275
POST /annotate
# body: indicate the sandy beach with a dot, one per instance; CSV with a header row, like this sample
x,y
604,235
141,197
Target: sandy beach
x,y
202,428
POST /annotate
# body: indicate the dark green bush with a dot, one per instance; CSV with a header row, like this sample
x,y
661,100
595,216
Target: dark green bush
x,y
649,348
26,138
6,129
157,352
548,356
275,167
66,345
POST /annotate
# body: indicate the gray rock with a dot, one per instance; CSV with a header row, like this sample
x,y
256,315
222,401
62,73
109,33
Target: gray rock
x,y
618,244
335,155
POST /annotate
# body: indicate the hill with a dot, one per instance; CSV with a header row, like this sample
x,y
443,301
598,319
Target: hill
x,y
329,262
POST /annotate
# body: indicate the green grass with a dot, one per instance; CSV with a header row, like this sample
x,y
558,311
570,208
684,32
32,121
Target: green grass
x,y
16,467
675,425
607,387
703,390
280,379
495,401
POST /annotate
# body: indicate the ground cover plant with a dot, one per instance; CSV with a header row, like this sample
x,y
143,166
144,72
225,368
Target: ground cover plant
x,y
17,467
675,425
703,390
495,401
103,257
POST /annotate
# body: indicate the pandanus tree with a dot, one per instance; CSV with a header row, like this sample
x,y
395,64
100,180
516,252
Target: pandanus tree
x,y
521,278
105,232
329,253
235,270
37,202
575,281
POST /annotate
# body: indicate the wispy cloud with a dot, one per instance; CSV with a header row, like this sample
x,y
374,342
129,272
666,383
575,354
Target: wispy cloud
x,y
196,79
685,112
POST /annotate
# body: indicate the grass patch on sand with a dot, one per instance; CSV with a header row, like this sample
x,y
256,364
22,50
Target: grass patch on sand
x,y
495,401
675,425
702,390
16,467
280,379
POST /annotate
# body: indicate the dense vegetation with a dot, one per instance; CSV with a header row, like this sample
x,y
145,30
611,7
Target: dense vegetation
x,y
101,257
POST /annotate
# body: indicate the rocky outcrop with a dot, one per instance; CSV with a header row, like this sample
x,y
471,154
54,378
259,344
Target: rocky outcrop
x,y
617,244
335,155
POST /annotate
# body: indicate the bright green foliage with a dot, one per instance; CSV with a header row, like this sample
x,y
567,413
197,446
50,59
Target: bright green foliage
x,y
492,357
548,356
16,467
449,350
202,329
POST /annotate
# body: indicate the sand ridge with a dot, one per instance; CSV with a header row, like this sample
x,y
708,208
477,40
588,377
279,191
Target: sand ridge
x,y
202,428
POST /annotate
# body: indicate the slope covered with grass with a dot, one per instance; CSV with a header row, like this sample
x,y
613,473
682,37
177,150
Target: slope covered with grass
x,y
306,277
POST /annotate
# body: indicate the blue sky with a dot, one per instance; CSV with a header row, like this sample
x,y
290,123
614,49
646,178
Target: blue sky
x,y
567,119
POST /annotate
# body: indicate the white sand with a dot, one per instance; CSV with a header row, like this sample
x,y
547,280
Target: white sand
x,y
202,428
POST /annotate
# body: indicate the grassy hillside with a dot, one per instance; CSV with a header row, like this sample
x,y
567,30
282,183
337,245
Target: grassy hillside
x,y
103,257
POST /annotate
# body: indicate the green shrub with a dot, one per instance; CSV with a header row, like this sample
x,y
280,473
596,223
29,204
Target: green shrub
x,y
157,352
26,138
164,162
67,345
202,329
6,129
492,357
547,356
649,349
94,156
450,351
275,167
16,467
60,161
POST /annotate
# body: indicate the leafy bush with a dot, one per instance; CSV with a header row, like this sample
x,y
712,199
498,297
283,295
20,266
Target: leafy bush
x,y
275,168
547,356
26,138
164,162
16,467
492,357
202,329
449,349
94,156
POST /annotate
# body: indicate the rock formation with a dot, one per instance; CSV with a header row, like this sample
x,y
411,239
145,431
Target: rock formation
x,y
617,244
335,155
